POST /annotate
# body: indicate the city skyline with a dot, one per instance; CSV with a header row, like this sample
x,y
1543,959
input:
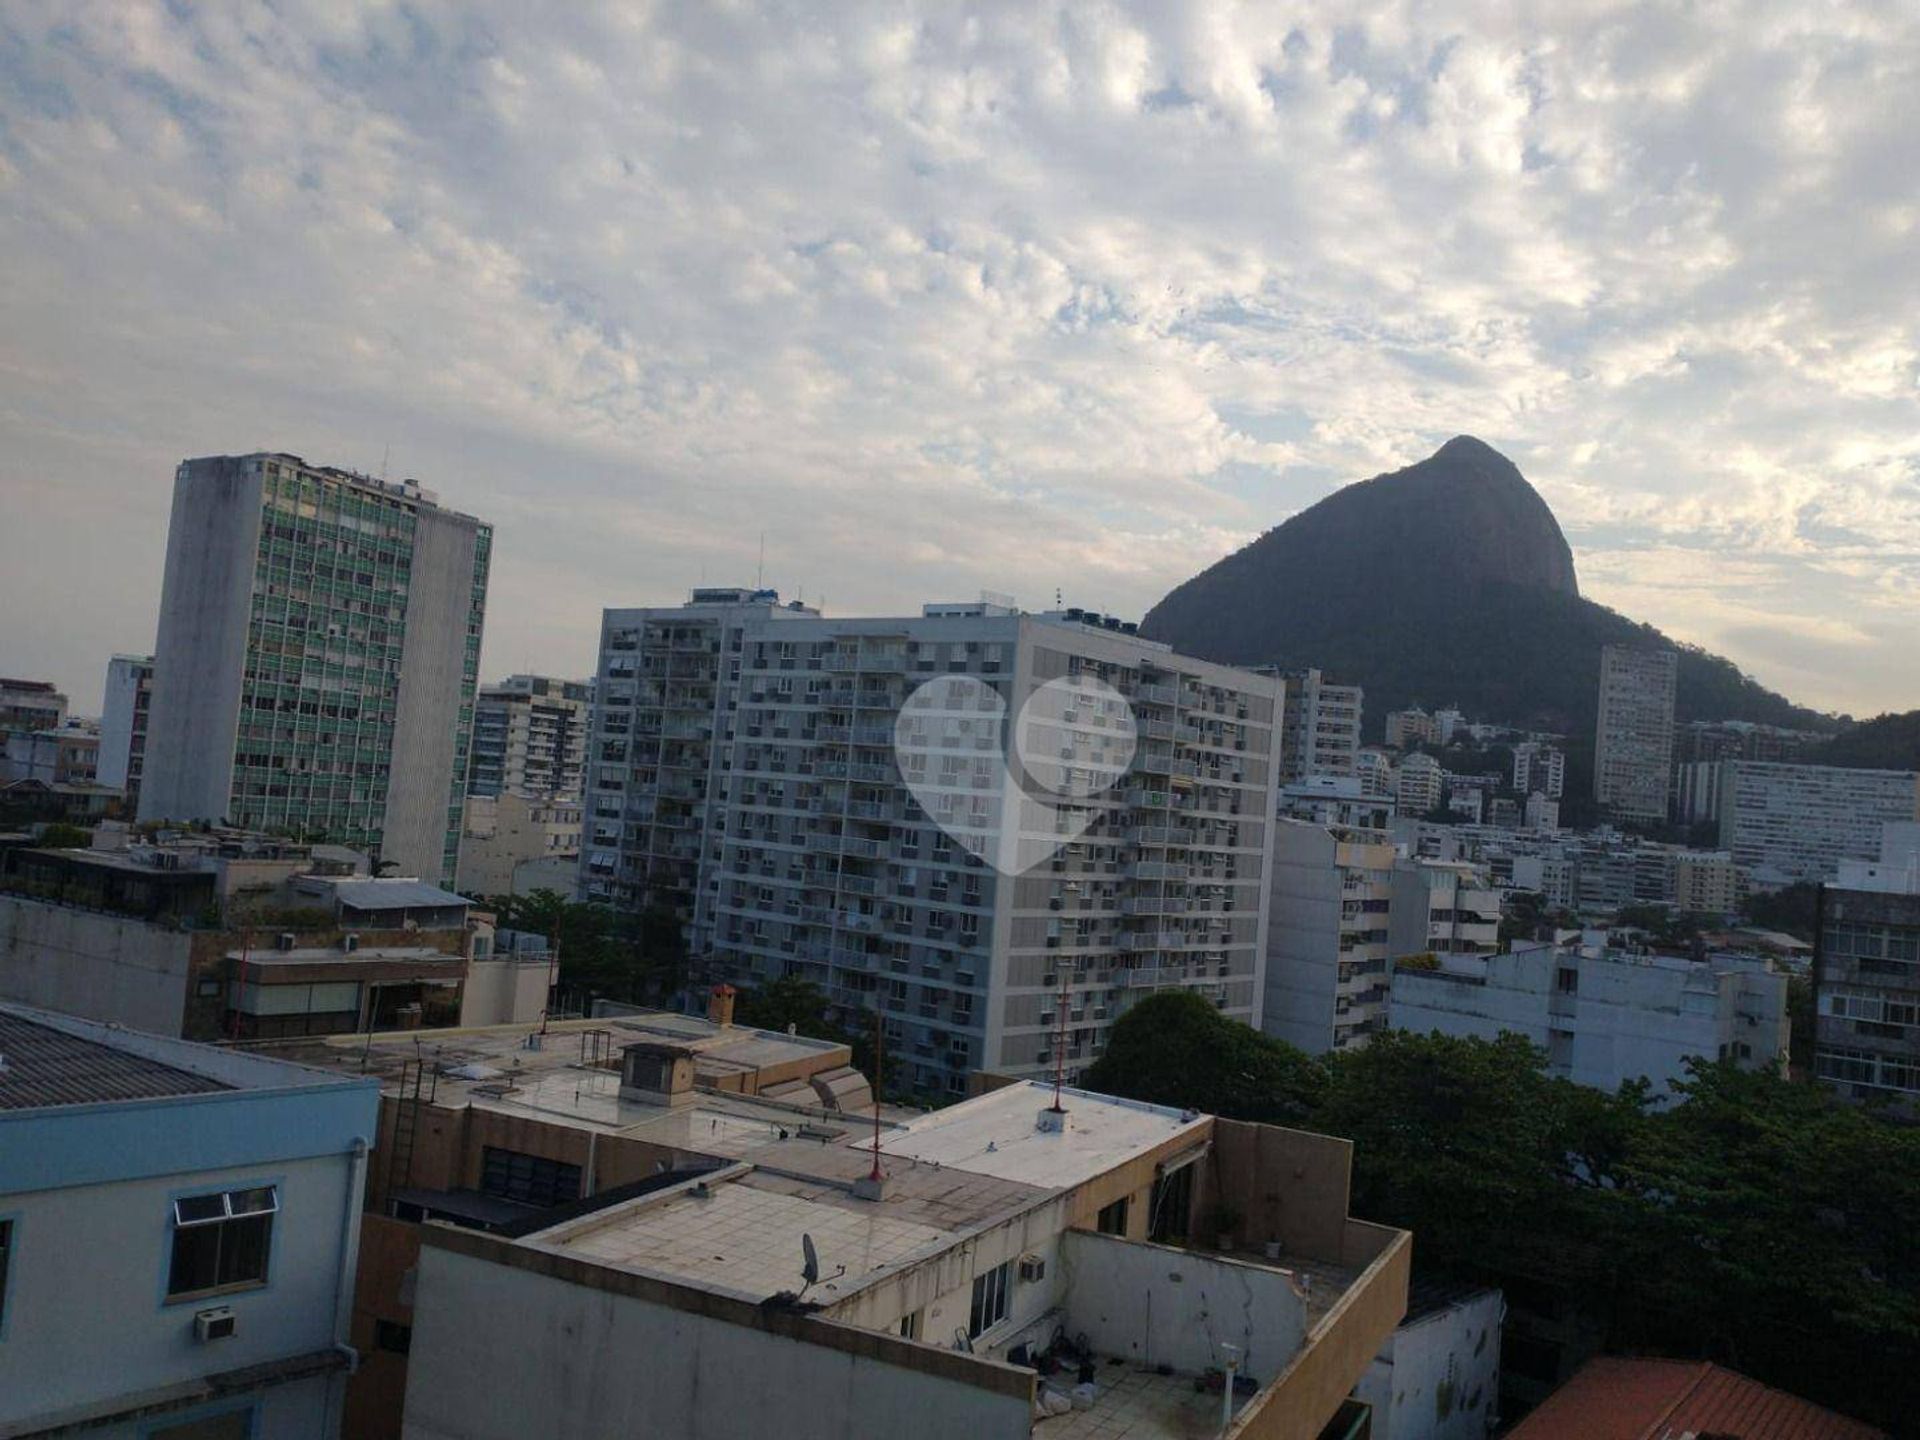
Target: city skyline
x,y
1081,304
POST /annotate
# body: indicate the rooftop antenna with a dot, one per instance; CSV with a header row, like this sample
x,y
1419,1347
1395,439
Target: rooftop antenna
x,y
810,1265
760,570
1053,1119
385,451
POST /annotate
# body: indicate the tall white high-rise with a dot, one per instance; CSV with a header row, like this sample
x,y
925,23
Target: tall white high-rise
x,y
1319,726
530,737
318,647
1633,739
743,771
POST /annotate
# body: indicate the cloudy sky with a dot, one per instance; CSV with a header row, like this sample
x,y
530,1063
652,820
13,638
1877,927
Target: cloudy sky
x,y
943,299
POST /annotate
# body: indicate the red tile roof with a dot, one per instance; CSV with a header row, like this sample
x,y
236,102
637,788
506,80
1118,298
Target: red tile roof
x,y
1626,1399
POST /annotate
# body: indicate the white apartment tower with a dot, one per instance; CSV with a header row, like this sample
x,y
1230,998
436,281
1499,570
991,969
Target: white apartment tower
x,y
1539,770
743,771
1633,738
1319,727
1327,935
530,737
318,647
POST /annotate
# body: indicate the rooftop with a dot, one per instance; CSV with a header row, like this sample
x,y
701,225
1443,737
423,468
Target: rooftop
x,y
1620,1398
49,1059
40,1066
573,1073
996,1134
366,893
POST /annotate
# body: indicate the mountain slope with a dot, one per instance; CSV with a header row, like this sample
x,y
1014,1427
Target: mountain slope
x,y
1886,742
1448,582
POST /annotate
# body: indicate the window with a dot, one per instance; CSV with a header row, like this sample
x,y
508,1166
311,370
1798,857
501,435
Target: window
x,y
1113,1219
989,1299
227,1425
910,1326
528,1179
221,1241
6,1254
390,1335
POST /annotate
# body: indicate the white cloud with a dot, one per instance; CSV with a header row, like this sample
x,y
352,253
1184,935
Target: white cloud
x,y
1010,297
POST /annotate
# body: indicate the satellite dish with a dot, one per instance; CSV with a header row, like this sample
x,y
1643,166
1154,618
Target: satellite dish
x,y
810,1271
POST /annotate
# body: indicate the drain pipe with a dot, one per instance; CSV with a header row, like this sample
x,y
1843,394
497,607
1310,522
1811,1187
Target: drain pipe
x,y
1232,1353
349,1259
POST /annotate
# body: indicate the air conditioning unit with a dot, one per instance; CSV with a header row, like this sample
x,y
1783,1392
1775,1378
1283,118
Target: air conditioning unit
x,y
1032,1268
218,1323
285,940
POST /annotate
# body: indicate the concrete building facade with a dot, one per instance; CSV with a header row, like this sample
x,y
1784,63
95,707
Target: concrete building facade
x,y
1866,976
1419,784
1327,935
178,1235
920,1281
744,770
1633,738
30,705
1602,1015
1788,823
1319,726
1539,769
507,831
123,725
317,657
223,940
530,737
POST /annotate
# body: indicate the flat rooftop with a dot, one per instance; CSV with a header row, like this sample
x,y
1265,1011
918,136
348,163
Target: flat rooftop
x,y
998,1134
733,1237
573,1074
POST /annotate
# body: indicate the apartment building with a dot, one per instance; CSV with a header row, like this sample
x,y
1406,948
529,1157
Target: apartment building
x,y
1374,769
494,1131
178,1235
744,768
123,725
228,935
30,705
1711,741
318,649
1705,882
1327,935
1442,907
1539,769
1419,785
1788,823
1866,975
1633,738
1319,726
512,841
1410,727
530,737
965,1273
1603,1015
61,755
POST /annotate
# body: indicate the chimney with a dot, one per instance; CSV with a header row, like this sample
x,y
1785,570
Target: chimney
x,y
720,1005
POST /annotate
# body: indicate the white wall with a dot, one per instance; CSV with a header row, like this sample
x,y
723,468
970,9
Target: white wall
x,y
504,991
1438,1377
103,967
91,1261
1303,938
1162,1306
502,1354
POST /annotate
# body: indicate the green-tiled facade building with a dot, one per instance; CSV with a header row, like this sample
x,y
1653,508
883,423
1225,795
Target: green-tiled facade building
x,y
317,658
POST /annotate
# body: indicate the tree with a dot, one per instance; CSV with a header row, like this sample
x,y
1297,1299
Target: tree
x,y
1175,1048
604,952
1792,909
61,836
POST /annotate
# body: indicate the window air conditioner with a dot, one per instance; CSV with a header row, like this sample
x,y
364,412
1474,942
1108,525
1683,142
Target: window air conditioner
x,y
218,1323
